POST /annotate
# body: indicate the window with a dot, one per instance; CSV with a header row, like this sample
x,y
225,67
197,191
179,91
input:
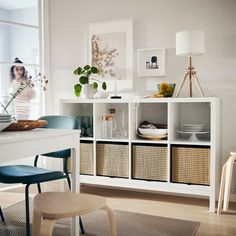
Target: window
x,y
19,38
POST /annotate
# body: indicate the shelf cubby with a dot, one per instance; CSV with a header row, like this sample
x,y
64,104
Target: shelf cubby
x,y
86,158
190,164
189,113
102,109
149,162
112,159
156,113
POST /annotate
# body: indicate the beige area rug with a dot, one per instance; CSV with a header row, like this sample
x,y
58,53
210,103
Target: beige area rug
x,y
96,224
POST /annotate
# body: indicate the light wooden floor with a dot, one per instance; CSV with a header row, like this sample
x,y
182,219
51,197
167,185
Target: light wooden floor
x,y
149,203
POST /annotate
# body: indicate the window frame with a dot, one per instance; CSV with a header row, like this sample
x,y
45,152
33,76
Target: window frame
x,y
43,46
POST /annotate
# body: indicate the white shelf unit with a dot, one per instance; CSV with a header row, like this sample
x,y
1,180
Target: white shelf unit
x,y
173,112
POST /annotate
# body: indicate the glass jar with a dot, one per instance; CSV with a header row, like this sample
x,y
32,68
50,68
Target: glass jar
x,y
107,127
112,112
121,131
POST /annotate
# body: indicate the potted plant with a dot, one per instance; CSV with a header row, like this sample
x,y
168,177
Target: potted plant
x,y
87,86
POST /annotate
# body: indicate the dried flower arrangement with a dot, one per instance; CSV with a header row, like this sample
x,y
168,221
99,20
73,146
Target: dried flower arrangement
x,y
103,58
40,80
85,77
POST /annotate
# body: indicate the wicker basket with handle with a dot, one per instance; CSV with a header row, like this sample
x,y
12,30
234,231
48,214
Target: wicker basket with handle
x,y
149,162
191,164
112,159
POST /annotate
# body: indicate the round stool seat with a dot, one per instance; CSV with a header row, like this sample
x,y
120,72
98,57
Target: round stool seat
x,y
56,205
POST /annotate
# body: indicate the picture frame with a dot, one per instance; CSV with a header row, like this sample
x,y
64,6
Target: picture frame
x,y
151,62
110,48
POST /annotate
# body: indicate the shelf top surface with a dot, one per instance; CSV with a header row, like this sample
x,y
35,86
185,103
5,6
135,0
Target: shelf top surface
x,y
142,100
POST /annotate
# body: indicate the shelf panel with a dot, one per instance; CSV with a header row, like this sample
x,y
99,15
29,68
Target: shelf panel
x,y
196,190
186,142
112,140
142,100
149,141
86,138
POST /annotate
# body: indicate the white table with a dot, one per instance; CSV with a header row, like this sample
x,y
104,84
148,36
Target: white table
x,y
17,145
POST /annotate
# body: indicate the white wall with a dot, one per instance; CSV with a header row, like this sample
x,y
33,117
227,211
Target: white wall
x,y
156,22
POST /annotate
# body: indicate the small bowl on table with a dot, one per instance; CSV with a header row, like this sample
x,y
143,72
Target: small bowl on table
x,y
166,89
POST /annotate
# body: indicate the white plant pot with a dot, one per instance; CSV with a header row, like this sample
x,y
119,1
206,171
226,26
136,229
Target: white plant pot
x,y
88,91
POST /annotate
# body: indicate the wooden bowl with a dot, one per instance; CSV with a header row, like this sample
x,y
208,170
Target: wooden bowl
x,y
22,125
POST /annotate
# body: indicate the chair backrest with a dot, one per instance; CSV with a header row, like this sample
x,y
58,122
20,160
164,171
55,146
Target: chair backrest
x,y
61,122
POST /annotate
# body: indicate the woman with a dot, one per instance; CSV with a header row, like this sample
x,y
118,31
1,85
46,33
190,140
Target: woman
x,y
18,76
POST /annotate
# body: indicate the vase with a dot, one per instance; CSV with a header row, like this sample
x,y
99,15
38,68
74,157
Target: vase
x,y
88,91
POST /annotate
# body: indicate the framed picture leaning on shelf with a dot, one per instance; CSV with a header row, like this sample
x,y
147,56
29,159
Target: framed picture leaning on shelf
x,y
151,62
110,49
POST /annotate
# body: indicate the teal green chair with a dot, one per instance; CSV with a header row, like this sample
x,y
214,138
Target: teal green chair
x,y
27,175
61,122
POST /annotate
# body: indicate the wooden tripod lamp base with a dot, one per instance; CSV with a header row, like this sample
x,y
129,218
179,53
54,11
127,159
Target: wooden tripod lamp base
x,y
190,75
189,43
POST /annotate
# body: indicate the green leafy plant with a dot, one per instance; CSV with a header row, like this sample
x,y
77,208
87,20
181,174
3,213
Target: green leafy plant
x,y
86,77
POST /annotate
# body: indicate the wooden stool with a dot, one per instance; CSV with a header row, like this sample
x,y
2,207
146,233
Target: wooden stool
x,y
225,184
48,207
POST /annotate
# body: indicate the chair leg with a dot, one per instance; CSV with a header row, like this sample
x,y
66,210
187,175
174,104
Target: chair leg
x,y
39,188
68,181
228,178
35,165
222,186
1,215
112,219
27,210
81,226
36,161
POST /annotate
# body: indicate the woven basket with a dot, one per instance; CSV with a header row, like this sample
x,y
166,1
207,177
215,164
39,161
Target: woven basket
x,y
86,159
112,159
149,162
191,165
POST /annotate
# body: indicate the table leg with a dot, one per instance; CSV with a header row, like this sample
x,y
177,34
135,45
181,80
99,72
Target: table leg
x,y
75,229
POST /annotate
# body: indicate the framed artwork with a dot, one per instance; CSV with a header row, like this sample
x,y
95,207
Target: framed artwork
x,y
110,48
151,62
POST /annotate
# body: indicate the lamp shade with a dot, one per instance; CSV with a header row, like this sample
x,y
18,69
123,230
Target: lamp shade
x,y
190,43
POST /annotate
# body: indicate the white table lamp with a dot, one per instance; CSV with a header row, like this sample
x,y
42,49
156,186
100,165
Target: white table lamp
x,y
190,43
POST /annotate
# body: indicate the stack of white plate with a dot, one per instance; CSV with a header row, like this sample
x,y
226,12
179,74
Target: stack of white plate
x,y
192,127
5,121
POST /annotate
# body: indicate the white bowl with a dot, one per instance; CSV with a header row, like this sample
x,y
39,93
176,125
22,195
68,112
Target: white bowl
x,y
4,125
153,132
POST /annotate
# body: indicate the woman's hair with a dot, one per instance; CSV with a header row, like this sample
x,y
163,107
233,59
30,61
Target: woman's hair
x,y
12,76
